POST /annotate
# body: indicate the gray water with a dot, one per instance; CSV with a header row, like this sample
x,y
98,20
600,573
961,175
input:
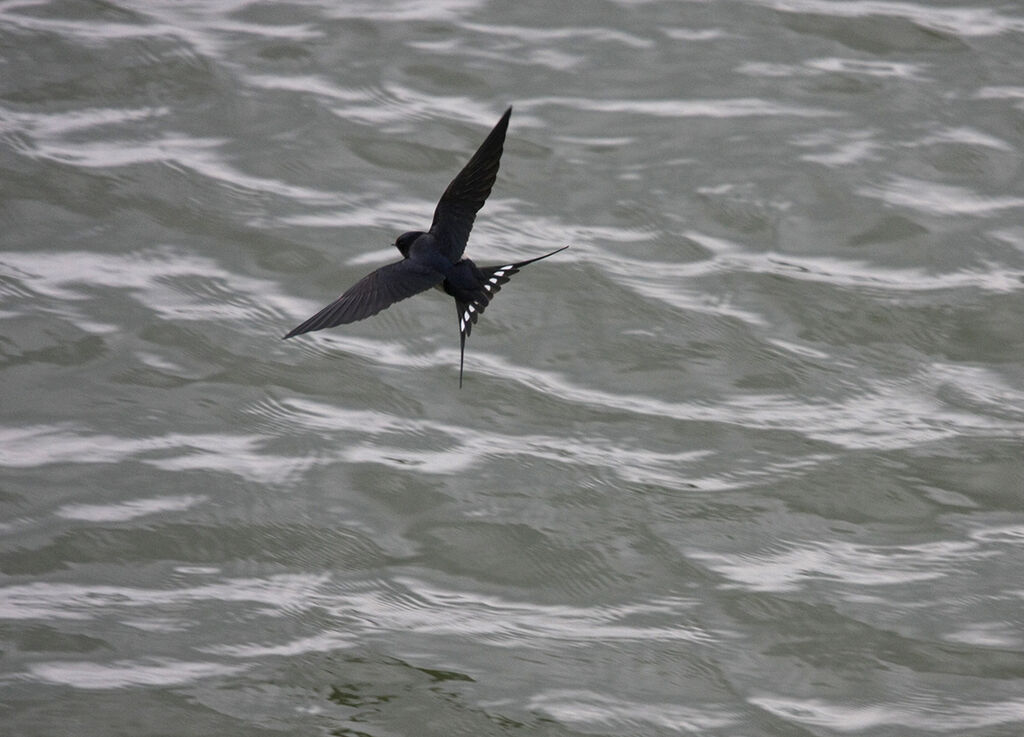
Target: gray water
x,y
745,460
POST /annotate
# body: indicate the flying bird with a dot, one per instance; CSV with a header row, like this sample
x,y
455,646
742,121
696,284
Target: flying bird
x,y
433,258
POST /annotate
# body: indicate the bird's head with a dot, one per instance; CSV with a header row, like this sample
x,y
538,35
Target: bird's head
x,y
404,242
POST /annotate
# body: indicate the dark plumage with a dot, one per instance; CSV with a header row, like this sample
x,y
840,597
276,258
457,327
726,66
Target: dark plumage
x,y
434,258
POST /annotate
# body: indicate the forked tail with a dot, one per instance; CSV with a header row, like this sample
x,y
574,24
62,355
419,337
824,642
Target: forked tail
x,y
494,278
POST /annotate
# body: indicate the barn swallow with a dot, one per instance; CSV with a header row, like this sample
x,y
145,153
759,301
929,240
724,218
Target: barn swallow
x,y
434,258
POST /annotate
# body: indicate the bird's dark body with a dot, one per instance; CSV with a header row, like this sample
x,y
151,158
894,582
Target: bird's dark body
x,y
464,281
434,258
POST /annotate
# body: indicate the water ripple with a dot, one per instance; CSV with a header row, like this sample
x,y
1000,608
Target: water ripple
x,y
311,84
200,27
472,445
598,711
52,125
893,414
48,601
242,455
957,21
936,715
667,281
129,509
507,623
187,152
849,563
837,65
412,10
319,643
129,673
721,108
933,198
534,35
163,279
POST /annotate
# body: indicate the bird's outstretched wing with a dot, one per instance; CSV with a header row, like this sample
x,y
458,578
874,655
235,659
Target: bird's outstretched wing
x,y
371,294
458,206
469,312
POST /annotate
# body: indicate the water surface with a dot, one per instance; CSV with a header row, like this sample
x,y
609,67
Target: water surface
x,y
745,460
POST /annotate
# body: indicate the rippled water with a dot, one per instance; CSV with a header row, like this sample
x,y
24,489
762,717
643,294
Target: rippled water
x,y
747,459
